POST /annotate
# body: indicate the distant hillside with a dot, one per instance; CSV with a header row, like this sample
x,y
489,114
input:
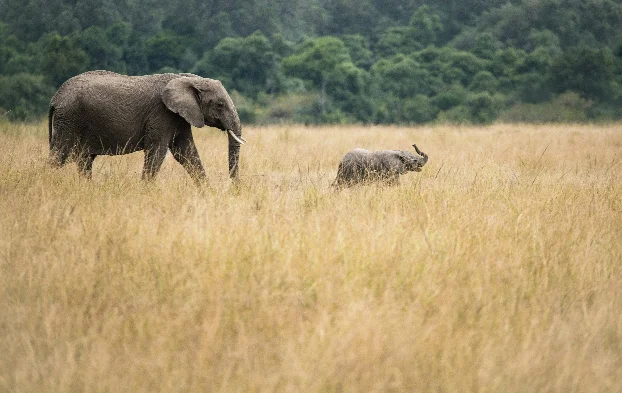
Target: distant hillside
x,y
320,61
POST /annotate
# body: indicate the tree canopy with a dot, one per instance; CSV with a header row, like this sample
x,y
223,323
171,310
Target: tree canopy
x,y
322,61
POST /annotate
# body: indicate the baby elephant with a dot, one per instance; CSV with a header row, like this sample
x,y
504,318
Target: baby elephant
x,y
360,165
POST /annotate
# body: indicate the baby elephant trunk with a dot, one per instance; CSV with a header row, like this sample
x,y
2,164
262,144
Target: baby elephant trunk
x,y
422,154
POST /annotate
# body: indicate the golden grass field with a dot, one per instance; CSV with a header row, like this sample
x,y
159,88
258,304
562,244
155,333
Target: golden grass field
x,y
498,268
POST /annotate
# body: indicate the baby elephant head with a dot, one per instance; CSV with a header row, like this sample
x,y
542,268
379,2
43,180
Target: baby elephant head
x,y
414,162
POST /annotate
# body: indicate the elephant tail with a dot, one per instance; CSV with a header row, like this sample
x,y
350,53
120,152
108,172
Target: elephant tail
x,y
50,124
336,184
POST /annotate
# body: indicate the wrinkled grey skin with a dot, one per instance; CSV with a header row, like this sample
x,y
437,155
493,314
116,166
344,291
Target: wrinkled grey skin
x,y
104,113
360,166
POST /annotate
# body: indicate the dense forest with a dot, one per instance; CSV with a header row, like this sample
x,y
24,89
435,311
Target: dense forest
x,y
333,61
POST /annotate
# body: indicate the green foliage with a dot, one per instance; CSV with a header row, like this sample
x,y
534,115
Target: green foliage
x,y
248,65
16,56
484,81
545,39
586,71
316,59
532,87
402,76
483,107
24,96
385,61
505,62
567,107
358,47
482,44
450,65
166,49
467,64
135,55
417,110
105,47
457,115
427,25
349,17
450,97
349,87
294,107
479,108
62,58
398,40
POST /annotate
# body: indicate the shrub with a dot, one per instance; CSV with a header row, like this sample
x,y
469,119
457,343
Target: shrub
x,y
26,97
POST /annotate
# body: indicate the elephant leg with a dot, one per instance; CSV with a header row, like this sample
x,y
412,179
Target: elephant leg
x,y
185,152
337,183
60,149
58,157
85,165
393,179
154,157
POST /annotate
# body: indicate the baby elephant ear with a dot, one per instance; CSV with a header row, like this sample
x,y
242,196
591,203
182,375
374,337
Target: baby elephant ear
x,y
180,96
402,156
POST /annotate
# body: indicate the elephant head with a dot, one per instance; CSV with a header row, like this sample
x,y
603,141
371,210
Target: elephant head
x,y
203,101
413,162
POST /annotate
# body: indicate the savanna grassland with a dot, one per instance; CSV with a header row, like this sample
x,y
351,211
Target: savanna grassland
x,y
498,268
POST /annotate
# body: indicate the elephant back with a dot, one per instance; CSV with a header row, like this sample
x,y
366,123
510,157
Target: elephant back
x,y
67,92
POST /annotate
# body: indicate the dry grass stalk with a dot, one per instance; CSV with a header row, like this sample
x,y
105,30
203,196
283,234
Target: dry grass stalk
x,y
496,269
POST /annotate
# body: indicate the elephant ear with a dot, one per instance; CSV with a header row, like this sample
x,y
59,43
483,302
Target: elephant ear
x,y
402,156
180,96
405,159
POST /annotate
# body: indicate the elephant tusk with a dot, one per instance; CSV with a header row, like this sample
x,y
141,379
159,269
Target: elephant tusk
x,y
243,140
240,141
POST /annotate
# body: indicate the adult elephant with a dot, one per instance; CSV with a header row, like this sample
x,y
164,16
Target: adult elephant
x,y
105,113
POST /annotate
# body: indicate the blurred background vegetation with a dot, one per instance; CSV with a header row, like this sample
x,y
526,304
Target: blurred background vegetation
x,y
333,61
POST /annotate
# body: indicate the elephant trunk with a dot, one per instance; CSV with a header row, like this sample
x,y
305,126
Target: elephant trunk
x,y
422,154
235,141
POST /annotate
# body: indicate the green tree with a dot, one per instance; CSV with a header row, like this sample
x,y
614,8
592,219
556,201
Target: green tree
x,y
532,87
358,47
349,85
531,78
248,65
484,81
505,62
7,47
482,44
327,66
104,52
25,96
587,71
467,64
483,107
450,97
62,58
417,110
135,55
450,65
349,17
165,49
427,25
402,76
544,39
398,40
316,59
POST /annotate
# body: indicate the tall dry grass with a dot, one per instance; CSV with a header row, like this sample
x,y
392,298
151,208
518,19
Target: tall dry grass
x,y
496,269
